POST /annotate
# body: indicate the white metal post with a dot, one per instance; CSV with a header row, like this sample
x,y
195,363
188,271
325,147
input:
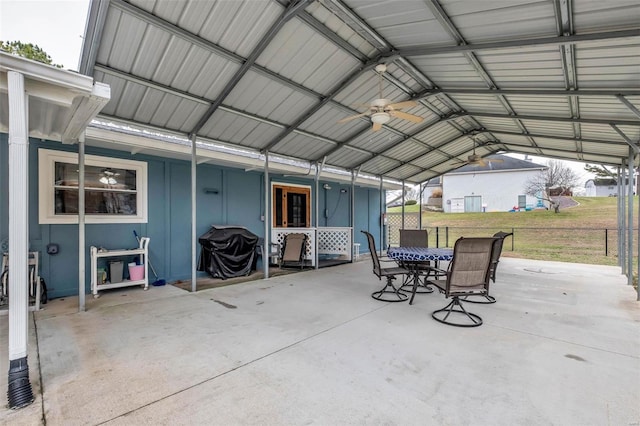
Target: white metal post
x,y
317,216
19,391
194,237
267,219
630,219
381,217
81,226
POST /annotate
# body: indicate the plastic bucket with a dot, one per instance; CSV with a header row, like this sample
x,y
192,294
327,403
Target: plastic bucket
x,y
136,272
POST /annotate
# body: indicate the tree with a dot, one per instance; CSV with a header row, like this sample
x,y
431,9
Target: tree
x,y
556,175
27,50
601,171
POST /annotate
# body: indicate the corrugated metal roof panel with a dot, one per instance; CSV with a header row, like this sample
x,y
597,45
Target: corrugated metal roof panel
x,y
306,57
483,21
224,23
450,70
267,98
557,106
298,146
608,65
533,67
158,42
233,128
347,158
605,107
319,11
401,23
592,15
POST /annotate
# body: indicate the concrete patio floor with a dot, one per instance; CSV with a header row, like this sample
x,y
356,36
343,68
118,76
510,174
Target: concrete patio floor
x,y
561,346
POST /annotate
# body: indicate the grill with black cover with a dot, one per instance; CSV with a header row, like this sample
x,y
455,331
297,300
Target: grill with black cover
x,y
228,251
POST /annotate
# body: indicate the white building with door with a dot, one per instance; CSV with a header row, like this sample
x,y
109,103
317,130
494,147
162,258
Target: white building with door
x,y
497,186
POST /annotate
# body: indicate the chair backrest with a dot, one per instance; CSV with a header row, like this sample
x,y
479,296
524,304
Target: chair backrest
x,y
497,251
294,247
414,238
374,254
470,265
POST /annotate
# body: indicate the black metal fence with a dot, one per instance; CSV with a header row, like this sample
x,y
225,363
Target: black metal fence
x,y
580,245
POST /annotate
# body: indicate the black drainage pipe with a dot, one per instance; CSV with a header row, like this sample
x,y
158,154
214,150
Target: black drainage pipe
x,y
19,393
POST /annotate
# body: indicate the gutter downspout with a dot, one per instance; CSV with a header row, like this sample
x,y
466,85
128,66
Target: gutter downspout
x,y
19,390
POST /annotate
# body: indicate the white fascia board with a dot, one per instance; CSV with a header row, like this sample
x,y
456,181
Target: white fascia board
x,y
38,71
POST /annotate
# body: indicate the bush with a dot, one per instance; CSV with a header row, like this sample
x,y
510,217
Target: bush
x,y
410,202
437,193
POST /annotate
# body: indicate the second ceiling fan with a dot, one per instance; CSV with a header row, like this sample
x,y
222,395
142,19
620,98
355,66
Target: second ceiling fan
x,y
476,160
381,110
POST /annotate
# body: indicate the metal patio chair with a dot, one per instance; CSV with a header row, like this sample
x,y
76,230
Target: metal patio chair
x,y
467,275
388,293
293,250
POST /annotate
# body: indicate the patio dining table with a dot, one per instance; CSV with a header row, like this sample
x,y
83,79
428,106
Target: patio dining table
x,y
415,257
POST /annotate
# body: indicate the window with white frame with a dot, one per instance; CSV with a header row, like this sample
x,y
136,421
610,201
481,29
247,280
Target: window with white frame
x,y
115,189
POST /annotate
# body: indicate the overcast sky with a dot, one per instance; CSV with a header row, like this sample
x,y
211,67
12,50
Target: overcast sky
x,y
57,27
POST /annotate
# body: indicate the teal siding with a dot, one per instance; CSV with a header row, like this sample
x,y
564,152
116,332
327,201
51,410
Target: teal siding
x,y
239,201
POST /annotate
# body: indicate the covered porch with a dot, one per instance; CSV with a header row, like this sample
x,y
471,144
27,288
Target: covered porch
x,y
560,347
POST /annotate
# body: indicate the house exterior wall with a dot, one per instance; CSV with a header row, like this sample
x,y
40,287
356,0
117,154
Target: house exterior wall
x,y
499,190
240,201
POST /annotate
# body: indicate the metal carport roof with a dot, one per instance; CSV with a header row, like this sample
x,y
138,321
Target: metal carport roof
x,y
553,78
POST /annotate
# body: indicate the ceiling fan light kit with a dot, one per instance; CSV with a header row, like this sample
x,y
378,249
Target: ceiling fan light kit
x,y
381,110
380,117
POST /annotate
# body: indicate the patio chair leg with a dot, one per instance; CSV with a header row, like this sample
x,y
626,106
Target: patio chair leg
x,y
389,288
489,299
451,309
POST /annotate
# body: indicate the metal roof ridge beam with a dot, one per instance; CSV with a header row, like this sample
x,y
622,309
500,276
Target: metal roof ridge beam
x,y
294,8
532,92
539,135
560,119
507,44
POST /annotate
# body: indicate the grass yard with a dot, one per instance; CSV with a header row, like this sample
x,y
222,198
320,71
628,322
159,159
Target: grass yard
x,y
576,234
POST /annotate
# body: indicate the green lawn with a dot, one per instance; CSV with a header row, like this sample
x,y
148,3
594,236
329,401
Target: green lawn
x,y
576,234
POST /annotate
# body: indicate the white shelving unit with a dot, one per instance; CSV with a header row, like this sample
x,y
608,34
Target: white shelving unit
x,y
142,250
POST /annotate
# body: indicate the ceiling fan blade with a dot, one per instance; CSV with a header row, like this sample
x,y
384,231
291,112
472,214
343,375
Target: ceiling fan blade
x,y
353,117
377,126
404,104
406,116
494,160
481,163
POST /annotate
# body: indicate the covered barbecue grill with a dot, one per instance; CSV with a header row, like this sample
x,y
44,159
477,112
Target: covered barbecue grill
x,y
228,251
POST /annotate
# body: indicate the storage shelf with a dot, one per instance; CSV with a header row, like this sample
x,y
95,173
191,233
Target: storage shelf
x,y
142,250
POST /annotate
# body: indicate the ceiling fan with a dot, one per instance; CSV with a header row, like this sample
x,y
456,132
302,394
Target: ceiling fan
x,y
381,110
476,160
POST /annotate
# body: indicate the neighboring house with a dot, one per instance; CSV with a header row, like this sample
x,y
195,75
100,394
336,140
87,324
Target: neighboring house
x,y
498,186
